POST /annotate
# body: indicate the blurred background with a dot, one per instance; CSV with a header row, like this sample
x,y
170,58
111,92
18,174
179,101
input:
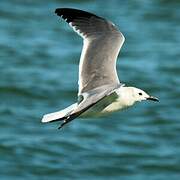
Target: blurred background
x,y
39,56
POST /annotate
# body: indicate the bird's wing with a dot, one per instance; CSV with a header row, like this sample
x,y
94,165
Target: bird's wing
x,y
90,99
101,45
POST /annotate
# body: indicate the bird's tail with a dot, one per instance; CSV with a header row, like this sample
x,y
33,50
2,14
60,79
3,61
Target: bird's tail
x,y
66,115
59,115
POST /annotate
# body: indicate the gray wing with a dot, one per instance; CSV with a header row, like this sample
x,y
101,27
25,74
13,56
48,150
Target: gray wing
x,y
103,93
101,45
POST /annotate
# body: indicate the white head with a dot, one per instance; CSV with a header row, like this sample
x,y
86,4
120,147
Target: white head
x,y
140,95
132,95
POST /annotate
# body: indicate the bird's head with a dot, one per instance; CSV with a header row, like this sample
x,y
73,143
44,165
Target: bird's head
x,y
140,95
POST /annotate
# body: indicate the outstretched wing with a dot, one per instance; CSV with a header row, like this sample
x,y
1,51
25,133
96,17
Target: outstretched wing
x,y
101,45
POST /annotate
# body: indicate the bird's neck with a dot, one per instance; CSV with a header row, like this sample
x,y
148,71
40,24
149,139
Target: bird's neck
x,y
125,96
124,100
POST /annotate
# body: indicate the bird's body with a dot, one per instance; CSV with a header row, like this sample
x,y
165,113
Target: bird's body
x,y
100,91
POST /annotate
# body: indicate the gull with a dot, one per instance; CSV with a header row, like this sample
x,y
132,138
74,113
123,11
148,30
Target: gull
x,y
100,92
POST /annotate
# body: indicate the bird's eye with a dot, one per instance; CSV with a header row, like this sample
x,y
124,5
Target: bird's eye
x,y
140,94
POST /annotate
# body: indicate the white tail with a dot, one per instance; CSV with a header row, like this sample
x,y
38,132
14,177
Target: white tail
x,y
58,115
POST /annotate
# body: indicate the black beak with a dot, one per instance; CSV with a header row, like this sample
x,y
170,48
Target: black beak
x,y
152,98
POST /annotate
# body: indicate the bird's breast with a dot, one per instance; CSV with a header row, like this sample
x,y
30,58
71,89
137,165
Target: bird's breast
x,y
117,105
102,108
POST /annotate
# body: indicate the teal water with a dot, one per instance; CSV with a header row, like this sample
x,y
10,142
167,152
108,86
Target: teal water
x,y
39,57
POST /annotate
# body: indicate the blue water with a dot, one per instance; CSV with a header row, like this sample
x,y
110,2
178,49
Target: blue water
x,y
39,73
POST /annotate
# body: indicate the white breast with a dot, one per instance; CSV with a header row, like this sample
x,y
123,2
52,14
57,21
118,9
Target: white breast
x,y
115,106
123,101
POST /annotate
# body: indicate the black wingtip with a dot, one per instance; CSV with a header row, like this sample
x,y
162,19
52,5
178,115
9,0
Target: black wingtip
x,y
56,10
70,14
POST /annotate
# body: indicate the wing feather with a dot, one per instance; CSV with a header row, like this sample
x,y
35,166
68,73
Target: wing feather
x,y
101,46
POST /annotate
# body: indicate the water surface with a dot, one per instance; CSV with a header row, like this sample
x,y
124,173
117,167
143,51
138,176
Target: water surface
x,y
39,70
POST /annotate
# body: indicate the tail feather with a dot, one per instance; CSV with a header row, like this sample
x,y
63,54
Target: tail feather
x,y
72,116
59,115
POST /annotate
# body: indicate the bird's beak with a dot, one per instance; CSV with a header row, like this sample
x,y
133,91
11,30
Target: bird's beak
x,y
152,98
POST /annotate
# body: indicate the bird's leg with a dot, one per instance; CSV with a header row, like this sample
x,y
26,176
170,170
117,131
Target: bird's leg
x,y
67,120
74,115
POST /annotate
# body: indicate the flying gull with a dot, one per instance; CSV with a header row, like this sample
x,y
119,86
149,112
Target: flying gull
x,y
100,91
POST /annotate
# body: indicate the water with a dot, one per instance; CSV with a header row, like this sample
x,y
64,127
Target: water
x,y
39,70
